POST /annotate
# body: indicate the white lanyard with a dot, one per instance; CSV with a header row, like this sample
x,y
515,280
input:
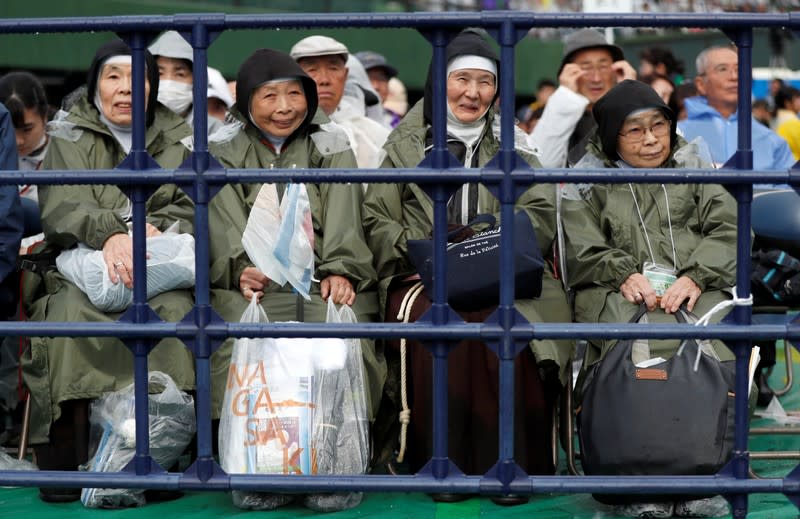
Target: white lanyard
x,y
644,229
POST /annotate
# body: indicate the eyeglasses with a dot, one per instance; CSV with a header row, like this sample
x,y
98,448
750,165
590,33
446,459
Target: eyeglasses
x,y
637,133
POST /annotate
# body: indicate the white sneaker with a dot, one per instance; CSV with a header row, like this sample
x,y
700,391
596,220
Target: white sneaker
x,y
645,510
715,506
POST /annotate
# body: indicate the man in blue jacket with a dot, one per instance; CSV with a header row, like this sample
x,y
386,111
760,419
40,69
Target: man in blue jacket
x,y
713,114
11,225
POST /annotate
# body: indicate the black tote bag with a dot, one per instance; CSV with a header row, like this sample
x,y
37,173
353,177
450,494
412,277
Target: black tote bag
x,y
665,419
473,265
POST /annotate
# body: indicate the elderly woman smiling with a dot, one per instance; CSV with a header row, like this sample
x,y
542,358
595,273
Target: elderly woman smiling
x,y
396,213
63,373
281,127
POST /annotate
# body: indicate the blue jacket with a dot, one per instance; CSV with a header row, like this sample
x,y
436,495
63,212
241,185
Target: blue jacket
x,y
770,151
11,225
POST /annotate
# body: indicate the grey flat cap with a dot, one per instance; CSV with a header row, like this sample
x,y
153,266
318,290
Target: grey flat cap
x,y
318,46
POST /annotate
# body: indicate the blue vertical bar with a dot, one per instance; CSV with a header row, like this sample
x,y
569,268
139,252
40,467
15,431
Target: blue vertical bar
x,y
200,164
439,460
200,42
506,348
439,122
745,48
742,314
139,198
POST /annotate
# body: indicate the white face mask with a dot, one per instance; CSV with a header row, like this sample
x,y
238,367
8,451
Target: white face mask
x,y
214,124
175,95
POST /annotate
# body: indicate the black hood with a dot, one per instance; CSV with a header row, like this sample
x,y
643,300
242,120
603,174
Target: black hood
x,y
117,47
611,110
468,41
267,65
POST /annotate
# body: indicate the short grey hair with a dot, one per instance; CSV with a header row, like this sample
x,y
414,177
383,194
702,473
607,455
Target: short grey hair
x,y
702,59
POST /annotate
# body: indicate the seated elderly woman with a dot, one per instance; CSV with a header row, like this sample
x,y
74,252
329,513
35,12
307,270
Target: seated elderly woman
x,y
63,373
396,213
281,127
663,245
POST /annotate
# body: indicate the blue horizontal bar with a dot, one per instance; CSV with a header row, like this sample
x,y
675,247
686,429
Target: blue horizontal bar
x,y
419,330
455,176
414,483
519,331
62,177
490,19
86,329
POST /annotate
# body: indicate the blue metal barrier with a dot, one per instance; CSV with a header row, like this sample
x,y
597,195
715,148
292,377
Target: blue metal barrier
x,y
507,175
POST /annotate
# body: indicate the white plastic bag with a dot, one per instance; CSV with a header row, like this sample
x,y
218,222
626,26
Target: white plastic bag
x,y
279,239
172,426
169,267
258,238
294,406
257,432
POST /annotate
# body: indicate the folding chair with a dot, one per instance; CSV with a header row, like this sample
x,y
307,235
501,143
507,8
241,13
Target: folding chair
x,y
776,224
36,262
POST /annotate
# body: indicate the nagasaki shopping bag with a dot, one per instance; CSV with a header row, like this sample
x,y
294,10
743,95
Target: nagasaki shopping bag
x,y
281,397
258,434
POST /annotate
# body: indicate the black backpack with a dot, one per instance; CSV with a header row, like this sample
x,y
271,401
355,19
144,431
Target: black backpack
x,y
775,278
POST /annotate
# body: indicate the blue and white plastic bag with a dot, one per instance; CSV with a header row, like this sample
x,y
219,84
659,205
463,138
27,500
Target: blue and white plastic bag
x,y
279,237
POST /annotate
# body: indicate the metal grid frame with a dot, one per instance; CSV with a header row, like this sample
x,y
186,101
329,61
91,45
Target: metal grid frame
x,y
505,331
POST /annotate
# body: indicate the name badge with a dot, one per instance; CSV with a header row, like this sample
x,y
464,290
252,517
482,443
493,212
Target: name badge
x,y
660,277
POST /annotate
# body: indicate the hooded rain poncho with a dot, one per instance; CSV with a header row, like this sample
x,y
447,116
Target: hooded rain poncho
x,y
59,369
339,244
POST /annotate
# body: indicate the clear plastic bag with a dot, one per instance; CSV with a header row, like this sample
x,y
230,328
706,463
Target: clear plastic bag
x,y
9,463
169,267
340,437
294,406
172,426
279,238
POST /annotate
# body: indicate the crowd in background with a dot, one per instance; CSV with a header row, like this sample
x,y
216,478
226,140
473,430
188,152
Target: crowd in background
x,y
638,6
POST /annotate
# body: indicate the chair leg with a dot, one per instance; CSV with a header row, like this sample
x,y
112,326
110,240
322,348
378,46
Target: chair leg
x,y
554,434
568,426
26,423
787,355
